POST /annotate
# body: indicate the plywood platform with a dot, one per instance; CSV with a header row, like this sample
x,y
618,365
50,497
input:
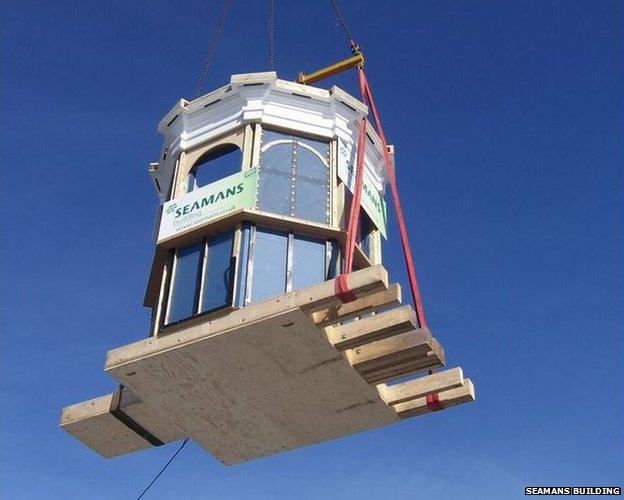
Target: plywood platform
x,y
279,375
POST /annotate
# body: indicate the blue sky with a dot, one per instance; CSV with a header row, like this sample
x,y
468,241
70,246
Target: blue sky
x,y
507,119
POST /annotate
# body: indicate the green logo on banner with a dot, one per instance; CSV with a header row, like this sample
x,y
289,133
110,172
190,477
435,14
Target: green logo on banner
x,y
215,200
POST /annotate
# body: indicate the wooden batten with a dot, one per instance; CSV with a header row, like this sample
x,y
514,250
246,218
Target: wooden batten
x,y
93,423
417,388
399,368
341,312
372,328
451,397
390,351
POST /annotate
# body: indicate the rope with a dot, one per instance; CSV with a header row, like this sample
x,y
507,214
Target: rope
x,y
271,33
211,48
163,469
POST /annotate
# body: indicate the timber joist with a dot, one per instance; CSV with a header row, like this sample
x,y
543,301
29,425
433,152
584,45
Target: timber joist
x,y
290,371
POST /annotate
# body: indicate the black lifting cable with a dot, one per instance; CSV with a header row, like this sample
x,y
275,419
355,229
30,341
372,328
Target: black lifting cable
x,y
271,34
211,48
163,469
343,23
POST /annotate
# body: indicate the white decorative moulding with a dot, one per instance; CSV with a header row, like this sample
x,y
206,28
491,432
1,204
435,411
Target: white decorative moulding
x,y
263,98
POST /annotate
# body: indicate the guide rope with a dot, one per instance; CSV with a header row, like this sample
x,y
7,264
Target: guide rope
x,y
163,469
211,48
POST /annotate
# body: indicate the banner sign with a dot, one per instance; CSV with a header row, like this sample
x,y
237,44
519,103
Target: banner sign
x,y
209,202
372,201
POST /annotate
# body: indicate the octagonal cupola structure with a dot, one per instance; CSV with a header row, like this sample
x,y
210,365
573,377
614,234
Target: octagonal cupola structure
x,y
254,179
262,340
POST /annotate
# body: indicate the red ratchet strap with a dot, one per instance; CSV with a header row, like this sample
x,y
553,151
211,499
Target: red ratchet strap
x,y
433,402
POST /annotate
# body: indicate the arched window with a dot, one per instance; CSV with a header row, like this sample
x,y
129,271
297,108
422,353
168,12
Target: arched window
x,y
294,177
219,162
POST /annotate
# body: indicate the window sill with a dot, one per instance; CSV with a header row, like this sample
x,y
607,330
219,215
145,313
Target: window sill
x,y
194,321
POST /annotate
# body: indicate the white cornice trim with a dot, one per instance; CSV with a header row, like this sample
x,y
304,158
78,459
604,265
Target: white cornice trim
x,y
263,98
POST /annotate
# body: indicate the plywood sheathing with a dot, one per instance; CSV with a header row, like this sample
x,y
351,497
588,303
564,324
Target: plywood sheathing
x,y
265,387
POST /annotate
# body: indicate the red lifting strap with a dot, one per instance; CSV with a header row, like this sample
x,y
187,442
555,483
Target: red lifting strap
x,y
354,212
398,211
342,289
433,402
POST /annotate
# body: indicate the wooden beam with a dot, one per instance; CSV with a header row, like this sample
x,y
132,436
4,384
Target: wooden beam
x,y
452,397
92,423
417,388
389,351
433,359
372,328
341,312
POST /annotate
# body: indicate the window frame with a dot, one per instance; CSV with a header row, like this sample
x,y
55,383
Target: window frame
x,y
215,152
164,322
246,271
241,137
328,162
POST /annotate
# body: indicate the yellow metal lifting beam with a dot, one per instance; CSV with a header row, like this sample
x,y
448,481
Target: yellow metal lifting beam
x,y
355,60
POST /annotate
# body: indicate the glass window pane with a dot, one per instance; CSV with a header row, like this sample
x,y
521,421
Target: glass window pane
x,y
334,262
311,187
216,286
308,263
364,234
269,264
216,164
185,281
269,136
310,167
275,180
301,192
